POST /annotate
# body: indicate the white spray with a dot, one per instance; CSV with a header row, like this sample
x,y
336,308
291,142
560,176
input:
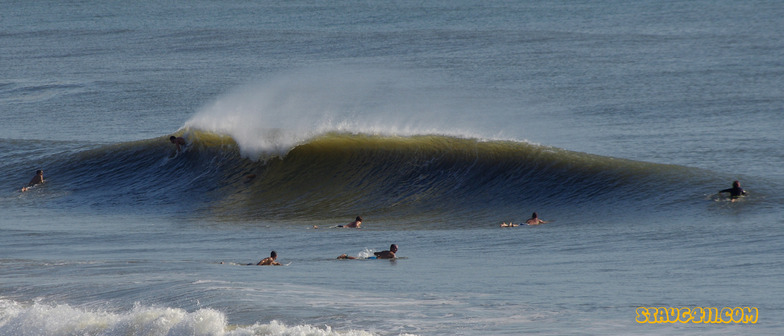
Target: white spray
x,y
270,117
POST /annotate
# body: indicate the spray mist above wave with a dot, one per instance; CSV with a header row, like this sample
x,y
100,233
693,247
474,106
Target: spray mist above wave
x,y
269,118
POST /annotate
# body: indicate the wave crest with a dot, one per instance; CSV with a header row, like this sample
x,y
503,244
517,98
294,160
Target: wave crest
x,y
271,117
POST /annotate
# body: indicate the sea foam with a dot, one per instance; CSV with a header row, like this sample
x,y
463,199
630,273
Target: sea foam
x,y
18,319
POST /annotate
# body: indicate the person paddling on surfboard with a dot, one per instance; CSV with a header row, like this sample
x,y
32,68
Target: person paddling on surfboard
x,y
735,192
37,179
387,254
270,260
178,141
534,220
355,224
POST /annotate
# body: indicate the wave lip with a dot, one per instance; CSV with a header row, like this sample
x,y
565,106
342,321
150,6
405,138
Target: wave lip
x,y
270,118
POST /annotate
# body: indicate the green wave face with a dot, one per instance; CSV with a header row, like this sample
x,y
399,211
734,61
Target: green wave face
x,y
341,175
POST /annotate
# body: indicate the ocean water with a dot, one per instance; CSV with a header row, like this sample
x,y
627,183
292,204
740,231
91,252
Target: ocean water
x,y
435,121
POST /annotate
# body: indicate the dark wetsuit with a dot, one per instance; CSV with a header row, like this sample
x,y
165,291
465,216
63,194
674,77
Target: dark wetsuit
x,y
735,192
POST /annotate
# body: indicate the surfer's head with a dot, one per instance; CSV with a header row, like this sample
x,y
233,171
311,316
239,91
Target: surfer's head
x,y
39,172
736,184
273,254
534,215
359,219
172,138
393,248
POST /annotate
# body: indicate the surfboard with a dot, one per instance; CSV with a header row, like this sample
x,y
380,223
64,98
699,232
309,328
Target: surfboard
x,y
29,187
251,264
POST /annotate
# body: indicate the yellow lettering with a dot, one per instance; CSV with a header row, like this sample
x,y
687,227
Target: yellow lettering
x,y
713,315
749,315
683,313
726,315
702,316
655,315
737,315
672,314
644,313
660,315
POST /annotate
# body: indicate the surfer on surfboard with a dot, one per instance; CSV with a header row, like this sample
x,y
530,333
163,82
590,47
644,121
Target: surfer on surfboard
x,y
534,220
387,254
735,192
37,179
178,141
355,224
390,254
270,260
